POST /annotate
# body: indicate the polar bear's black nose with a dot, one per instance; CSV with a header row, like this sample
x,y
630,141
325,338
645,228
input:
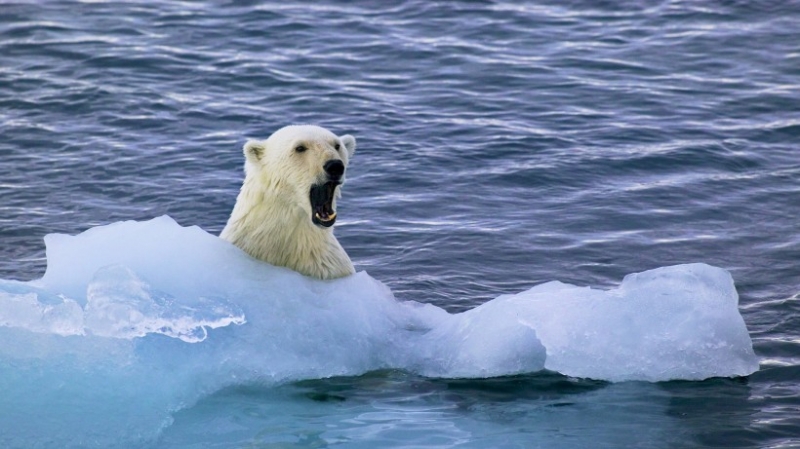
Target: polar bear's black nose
x,y
334,168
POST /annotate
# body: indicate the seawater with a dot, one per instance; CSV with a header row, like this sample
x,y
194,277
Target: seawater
x,y
501,145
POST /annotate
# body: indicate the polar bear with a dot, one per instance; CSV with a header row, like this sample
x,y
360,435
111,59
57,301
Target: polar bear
x,y
287,205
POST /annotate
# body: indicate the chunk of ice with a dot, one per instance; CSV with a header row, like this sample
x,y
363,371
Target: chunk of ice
x,y
147,317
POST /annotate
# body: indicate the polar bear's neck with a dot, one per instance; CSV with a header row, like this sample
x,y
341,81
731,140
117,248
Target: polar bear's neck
x,y
267,225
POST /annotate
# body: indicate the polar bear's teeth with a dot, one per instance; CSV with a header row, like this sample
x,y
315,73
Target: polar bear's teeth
x,y
329,217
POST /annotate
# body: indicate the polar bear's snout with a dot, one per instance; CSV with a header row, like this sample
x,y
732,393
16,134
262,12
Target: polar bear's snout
x,y
335,169
322,195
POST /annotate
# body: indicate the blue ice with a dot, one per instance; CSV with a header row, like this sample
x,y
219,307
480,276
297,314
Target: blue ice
x,y
135,320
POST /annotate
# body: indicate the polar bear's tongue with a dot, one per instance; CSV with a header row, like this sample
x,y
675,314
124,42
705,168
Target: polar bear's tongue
x,y
321,197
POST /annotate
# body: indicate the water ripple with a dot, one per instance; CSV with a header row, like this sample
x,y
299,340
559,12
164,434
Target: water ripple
x,y
501,144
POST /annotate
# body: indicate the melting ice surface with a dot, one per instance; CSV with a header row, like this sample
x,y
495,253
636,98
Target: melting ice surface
x,y
135,320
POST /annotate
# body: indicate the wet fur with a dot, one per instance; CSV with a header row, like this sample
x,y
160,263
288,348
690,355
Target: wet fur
x,y
271,220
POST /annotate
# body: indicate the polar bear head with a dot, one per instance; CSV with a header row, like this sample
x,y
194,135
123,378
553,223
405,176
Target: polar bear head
x,y
305,165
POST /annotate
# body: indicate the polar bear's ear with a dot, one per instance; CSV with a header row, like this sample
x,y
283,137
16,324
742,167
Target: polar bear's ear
x,y
349,144
254,150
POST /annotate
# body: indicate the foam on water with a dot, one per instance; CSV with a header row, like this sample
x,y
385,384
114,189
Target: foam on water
x,y
135,320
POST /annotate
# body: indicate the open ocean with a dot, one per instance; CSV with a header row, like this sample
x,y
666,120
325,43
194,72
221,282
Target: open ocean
x,y
501,144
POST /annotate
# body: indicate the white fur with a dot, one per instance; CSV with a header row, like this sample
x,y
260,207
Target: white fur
x,y
271,220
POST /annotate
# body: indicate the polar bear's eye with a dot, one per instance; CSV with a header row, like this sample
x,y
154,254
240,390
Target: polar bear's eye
x,y
300,148
336,146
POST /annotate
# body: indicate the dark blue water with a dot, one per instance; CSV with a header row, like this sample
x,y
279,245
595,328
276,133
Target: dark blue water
x,y
501,145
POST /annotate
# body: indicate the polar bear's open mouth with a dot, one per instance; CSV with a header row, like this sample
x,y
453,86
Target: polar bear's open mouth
x,y
321,196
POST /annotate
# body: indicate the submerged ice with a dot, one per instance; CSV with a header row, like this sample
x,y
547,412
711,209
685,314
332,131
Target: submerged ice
x,y
135,320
